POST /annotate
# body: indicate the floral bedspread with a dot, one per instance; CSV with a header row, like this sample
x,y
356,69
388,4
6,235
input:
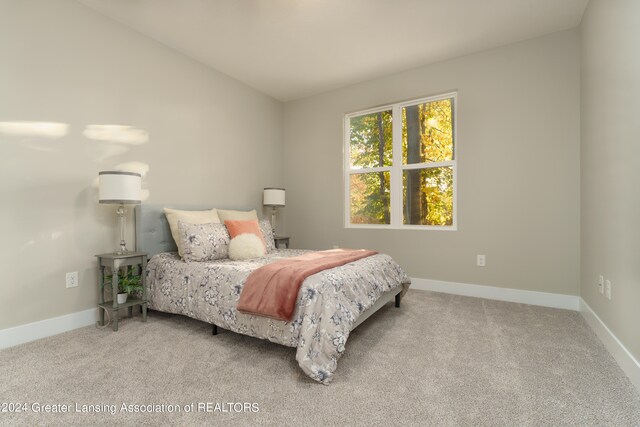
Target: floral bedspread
x,y
328,304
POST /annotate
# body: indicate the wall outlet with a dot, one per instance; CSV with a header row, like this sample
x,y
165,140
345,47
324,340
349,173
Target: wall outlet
x,y
607,288
72,279
481,261
601,284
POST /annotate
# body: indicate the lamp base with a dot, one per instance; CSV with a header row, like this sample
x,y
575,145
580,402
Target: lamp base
x,y
273,220
123,245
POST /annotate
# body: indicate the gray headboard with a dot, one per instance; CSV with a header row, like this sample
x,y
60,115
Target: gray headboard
x,y
152,229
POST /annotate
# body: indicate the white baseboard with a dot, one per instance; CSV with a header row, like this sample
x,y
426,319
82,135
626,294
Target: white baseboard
x,y
625,359
545,299
45,328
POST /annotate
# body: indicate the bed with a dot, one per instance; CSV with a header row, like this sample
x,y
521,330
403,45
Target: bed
x,y
330,304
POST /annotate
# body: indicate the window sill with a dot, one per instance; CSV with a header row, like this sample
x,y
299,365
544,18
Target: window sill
x,y
402,227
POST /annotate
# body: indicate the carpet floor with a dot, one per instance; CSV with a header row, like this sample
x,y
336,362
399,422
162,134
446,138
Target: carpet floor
x,y
438,360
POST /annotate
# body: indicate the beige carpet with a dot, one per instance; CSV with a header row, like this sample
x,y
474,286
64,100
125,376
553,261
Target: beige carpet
x,y
438,360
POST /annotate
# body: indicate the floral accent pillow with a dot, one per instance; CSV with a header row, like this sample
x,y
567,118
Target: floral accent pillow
x,y
267,233
203,242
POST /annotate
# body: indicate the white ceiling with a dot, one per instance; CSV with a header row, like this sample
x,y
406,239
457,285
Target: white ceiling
x,y
290,49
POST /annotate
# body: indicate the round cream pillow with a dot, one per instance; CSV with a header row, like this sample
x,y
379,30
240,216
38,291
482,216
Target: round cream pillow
x,y
246,246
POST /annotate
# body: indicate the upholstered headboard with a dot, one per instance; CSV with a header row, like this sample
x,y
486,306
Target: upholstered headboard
x,y
153,235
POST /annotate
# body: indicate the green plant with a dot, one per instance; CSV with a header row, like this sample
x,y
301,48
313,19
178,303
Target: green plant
x,y
128,281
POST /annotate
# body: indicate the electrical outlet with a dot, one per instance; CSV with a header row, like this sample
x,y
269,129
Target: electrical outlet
x,y
72,279
601,284
607,289
481,261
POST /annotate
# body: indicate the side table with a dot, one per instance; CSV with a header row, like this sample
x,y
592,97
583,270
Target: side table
x,y
114,262
281,242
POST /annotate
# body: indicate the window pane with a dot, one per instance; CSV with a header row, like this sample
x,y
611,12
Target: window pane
x,y
371,140
370,198
428,196
427,132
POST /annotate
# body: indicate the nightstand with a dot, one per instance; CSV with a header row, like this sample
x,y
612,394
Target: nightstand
x,y
114,262
282,242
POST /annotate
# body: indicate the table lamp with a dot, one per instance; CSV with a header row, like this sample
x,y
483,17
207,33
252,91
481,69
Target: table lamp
x,y
120,188
273,197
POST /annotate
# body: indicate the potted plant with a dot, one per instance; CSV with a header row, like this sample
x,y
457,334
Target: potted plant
x,y
128,283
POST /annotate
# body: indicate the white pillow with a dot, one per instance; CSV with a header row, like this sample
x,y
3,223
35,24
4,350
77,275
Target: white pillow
x,y
188,217
246,246
226,215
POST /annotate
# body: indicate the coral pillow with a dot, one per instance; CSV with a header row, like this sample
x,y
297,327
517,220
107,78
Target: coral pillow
x,y
238,227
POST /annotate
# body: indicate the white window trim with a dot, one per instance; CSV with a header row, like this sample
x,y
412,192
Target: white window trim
x,y
397,168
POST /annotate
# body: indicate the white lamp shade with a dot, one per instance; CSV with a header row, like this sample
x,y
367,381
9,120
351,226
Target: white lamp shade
x,y
119,187
273,197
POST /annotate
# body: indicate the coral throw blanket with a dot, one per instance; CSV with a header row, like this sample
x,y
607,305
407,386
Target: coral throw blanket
x,y
272,290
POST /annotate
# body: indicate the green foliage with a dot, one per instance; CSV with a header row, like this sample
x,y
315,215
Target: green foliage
x,y
366,143
371,139
128,281
368,204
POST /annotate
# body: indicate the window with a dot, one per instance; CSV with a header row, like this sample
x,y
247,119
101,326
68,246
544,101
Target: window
x,y
400,165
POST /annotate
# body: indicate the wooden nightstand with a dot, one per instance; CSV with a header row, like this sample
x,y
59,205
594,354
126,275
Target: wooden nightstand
x,y
282,242
114,262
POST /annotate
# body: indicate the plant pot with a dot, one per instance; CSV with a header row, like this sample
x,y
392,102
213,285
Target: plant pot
x,y
122,298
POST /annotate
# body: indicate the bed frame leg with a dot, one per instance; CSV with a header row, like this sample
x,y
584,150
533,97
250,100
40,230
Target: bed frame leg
x,y
398,300
214,331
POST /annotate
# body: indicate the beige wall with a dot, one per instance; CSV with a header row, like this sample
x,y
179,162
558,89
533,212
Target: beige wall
x,y
610,162
518,159
211,140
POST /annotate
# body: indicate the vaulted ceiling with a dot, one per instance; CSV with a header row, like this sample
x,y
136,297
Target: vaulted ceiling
x,y
291,49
